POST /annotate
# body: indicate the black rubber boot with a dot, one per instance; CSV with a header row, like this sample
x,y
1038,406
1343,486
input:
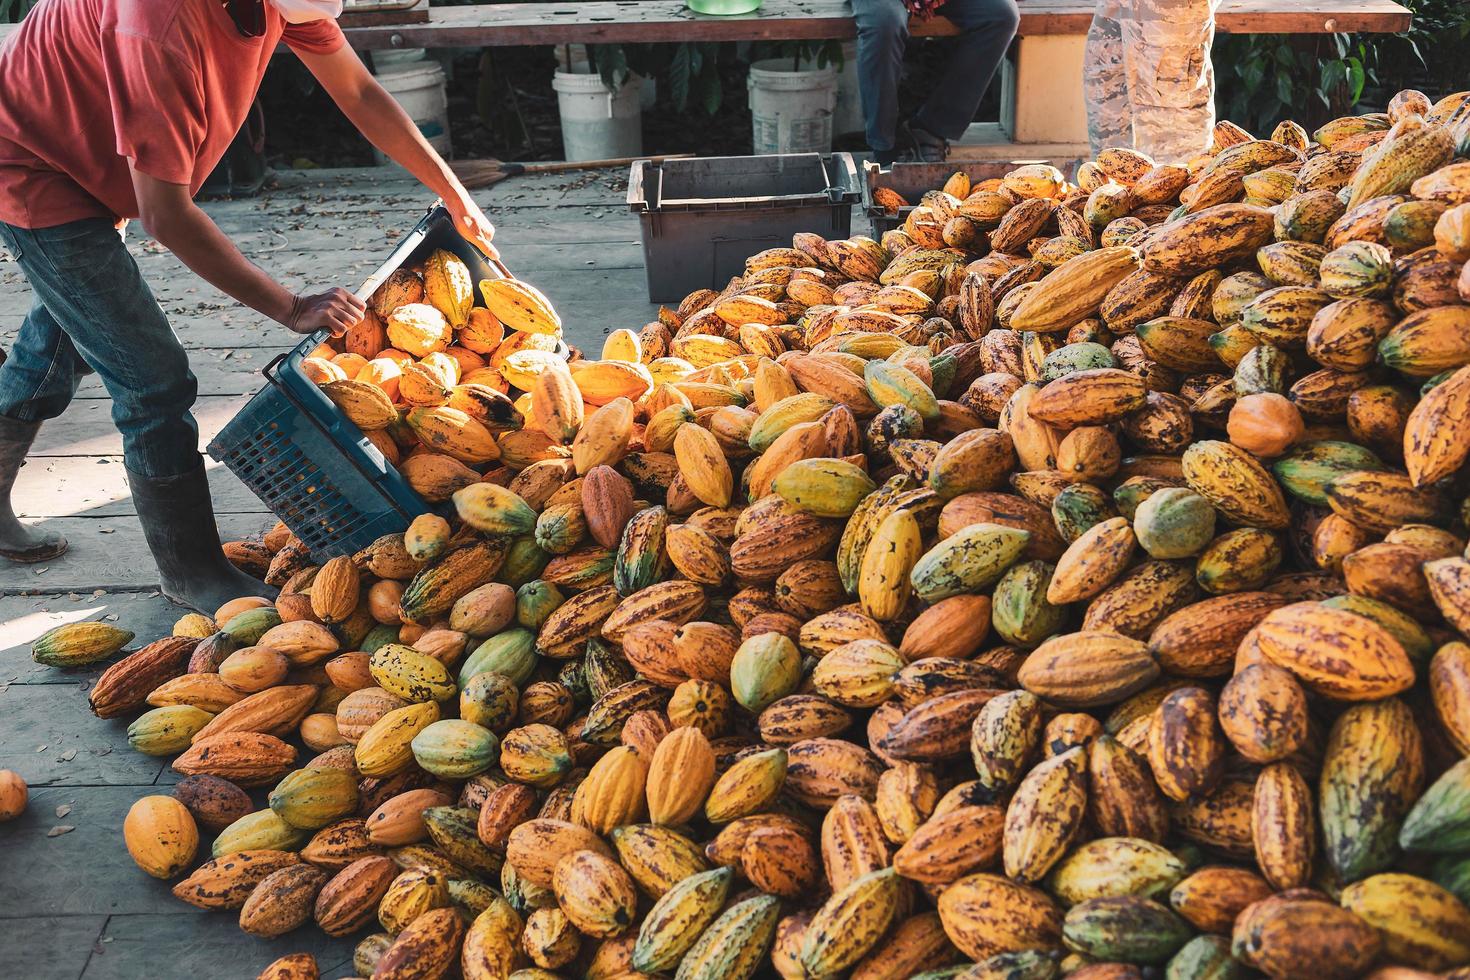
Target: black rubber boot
x,y
922,146
19,542
178,524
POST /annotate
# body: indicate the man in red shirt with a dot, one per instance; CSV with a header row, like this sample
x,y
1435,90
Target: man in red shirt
x,y
119,109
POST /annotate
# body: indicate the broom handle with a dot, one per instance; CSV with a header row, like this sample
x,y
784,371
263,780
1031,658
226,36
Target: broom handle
x,y
551,168
547,168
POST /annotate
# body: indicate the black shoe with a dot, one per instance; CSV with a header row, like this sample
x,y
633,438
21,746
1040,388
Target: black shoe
x,y
885,158
178,524
18,542
922,146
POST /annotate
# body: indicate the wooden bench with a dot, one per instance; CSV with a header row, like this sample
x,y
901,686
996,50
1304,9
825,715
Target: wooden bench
x,y
1043,115
624,21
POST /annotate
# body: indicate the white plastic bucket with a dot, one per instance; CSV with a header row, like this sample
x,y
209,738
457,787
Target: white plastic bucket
x,y
579,65
418,86
392,59
597,122
791,111
847,115
573,58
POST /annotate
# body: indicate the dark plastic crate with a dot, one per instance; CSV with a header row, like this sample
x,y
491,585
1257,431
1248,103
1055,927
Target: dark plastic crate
x,y
703,217
913,179
313,468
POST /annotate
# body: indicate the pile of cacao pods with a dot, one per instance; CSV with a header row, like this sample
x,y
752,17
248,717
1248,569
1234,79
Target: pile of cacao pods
x,y
1072,582
427,374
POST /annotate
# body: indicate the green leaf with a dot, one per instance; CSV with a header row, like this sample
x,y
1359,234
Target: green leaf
x,y
1334,75
681,71
1285,90
1419,55
611,62
1252,73
1357,78
647,60
710,91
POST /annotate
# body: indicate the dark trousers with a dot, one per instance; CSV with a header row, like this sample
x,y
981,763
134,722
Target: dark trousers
x,y
94,312
987,27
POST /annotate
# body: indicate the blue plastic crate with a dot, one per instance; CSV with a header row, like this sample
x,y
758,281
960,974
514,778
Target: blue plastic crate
x,y
313,468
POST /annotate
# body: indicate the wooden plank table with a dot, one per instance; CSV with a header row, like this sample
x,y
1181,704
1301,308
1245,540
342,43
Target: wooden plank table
x,y
74,905
623,21
613,21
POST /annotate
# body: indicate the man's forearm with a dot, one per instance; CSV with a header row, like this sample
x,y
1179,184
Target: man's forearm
x,y
201,246
382,120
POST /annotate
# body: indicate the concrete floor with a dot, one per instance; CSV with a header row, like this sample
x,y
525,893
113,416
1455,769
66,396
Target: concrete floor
x,y
72,904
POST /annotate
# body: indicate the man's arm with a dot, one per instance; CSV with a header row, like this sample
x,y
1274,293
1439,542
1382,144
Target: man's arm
x,y
379,117
171,216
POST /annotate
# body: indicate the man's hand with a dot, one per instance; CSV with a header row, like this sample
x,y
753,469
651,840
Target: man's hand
x,y
471,222
923,9
335,310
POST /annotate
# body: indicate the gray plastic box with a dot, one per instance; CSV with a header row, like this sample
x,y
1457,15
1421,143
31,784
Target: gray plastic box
x,y
703,217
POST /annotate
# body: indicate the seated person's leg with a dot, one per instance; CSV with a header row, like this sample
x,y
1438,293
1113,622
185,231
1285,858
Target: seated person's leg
x,y
883,31
987,27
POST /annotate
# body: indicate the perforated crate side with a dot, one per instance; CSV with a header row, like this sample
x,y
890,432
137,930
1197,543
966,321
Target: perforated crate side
x,y
302,476
296,451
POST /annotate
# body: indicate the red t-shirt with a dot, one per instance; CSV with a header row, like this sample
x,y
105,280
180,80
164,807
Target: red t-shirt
x,y
91,84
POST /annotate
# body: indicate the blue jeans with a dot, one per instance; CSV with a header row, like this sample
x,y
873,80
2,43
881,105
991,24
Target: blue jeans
x,y
94,312
986,28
